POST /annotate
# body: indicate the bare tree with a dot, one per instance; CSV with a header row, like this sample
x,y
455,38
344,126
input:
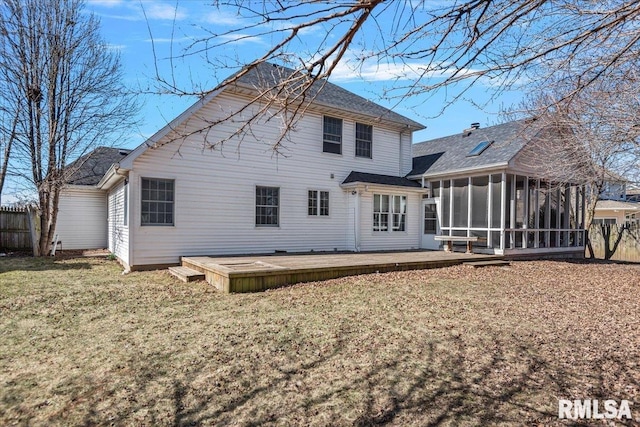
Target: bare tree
x,y
596,138
62,85
428,45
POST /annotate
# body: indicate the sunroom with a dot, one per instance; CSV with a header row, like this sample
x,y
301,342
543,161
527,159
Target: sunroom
x,y
510,213
492,185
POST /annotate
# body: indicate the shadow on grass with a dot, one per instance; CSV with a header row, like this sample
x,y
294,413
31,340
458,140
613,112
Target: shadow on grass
x,y
447,389
8,264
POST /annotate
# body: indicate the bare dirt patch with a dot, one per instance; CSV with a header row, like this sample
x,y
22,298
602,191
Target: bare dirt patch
x,y
82,344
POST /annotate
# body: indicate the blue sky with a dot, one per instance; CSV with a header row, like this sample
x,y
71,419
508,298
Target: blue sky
x,y
126,26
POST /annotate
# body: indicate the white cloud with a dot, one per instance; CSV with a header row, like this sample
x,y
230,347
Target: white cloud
x,y
170,40
227,19
117,47
164,11
136,10
240,38
350,69
106,3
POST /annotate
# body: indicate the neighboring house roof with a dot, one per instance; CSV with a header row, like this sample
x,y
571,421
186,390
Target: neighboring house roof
x,y
90,168
451,153
374,178
267,75
616,205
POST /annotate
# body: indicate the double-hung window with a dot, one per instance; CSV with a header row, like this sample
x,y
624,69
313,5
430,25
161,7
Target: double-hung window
x,y
332,135
364,140
318,203
157,201
389,212
267,206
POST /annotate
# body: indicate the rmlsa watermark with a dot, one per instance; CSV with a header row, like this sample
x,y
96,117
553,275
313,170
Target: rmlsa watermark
x,y
594,409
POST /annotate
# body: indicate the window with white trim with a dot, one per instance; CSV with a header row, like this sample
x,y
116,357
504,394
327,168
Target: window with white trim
x,y
318,203
267,206
332,135
157,200
364,140
389,212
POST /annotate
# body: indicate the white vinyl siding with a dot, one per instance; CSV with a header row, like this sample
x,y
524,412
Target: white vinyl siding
x,y
82,218
118,233
370,240
215,190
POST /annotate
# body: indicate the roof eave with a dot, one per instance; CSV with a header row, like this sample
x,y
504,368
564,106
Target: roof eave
x,y
461,171
114,175
322,107
369,185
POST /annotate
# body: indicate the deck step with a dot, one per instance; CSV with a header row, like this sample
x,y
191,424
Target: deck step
x,y
186,274
489,263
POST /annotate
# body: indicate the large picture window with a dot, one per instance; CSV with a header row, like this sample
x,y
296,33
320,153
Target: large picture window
x,y
157,200
267,206
364,140
332,135
389,212
318,203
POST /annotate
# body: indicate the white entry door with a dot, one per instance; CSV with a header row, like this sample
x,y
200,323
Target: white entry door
x,y
430,223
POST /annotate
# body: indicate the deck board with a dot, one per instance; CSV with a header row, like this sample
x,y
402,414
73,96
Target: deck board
x,y
260,272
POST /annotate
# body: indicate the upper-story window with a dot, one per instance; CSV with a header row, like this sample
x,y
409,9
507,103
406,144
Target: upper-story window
x,y
364,140
332,135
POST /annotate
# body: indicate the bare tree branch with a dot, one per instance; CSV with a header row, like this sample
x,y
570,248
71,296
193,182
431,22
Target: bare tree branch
x,y
63,85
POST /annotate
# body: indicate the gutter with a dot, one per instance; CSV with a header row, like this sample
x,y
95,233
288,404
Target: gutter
x,y
113,175
464,171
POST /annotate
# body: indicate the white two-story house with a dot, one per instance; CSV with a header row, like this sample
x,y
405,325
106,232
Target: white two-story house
x,y
339,186
349,179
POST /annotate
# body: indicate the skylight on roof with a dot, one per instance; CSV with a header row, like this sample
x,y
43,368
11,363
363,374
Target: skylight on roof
x,y
479,148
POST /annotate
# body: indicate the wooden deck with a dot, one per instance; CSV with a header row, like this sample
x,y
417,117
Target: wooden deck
x,y
260,272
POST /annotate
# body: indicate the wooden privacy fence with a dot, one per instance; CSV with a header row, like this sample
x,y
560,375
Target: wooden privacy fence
x,y
15,229
628,248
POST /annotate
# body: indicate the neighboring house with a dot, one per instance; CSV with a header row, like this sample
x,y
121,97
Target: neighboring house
x,y
618,203
616,212
348,182
633,194
614,187
82,209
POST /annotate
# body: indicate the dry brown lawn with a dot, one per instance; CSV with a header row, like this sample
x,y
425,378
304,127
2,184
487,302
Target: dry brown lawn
x,y
84,345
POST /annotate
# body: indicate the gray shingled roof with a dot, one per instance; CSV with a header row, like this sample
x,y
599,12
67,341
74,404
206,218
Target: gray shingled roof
x,y
374,178
449,153
92,166
267,75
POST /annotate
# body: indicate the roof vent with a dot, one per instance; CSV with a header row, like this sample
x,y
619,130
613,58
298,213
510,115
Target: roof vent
x,y
123,151
473,127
